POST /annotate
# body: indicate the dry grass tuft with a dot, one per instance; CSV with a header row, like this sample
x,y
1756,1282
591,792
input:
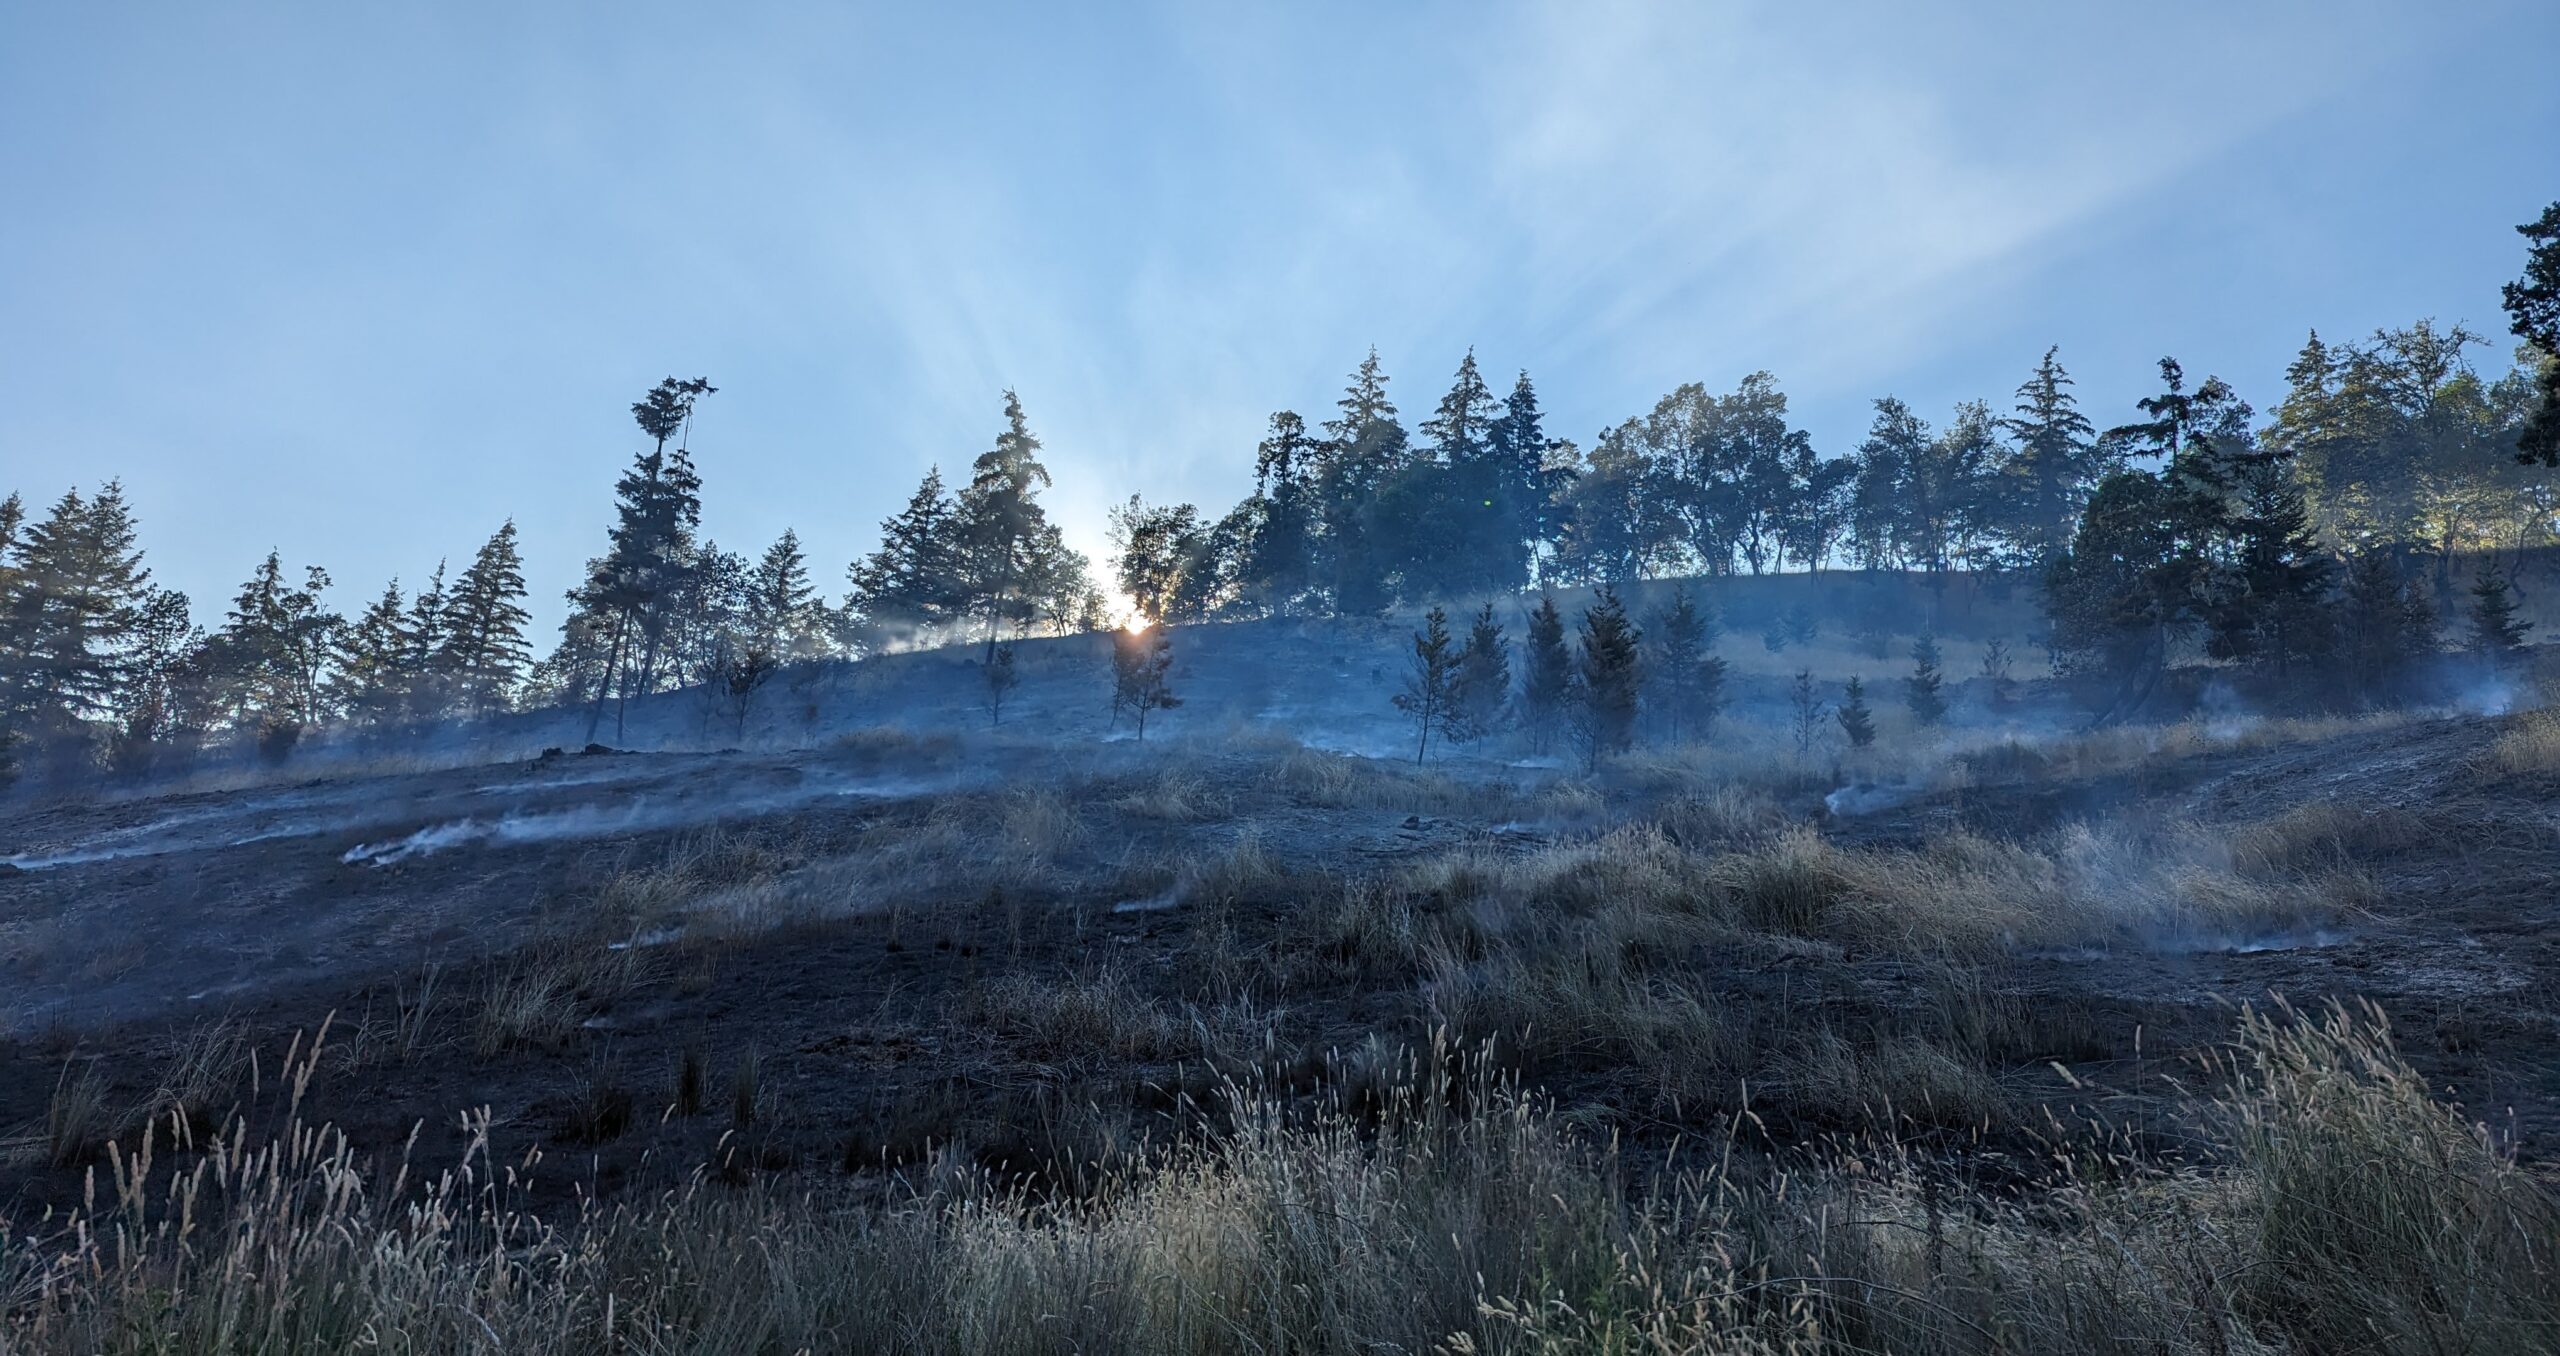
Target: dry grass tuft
x,y
2323,835
2383,1223
531,1001
2530,744
200,1081
1790,884
77,1121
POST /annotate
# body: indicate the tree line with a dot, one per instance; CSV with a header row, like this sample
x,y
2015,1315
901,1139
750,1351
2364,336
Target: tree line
x,y
2319,540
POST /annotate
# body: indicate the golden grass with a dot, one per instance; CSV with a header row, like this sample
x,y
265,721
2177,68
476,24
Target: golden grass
x,y
2530,744
2344,1211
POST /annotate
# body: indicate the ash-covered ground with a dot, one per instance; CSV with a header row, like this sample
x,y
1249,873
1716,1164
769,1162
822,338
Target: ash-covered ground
x,y
884,934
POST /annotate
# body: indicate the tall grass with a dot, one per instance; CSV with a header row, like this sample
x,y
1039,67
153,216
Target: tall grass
x,y
2348,1212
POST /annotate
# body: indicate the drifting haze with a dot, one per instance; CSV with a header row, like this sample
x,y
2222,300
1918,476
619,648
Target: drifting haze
x,y
375,282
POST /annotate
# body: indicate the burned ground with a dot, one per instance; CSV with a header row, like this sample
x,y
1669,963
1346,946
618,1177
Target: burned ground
x,y
896,953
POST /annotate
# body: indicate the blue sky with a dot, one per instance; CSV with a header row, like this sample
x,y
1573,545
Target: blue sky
x,y
360,281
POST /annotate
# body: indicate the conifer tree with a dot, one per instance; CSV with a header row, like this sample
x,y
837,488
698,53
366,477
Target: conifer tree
x,y
2002,688
2533,307
1547,679
1855,720
1483,681
75,598
2387,627
1531,500
913,581
1470,543
1805,710
1608,679
276,644
638,582
1364,448
1924,690
2055,463
1013,561
2497,635
2272,606
1682,672
1277,571
370,681
426,689
784,617
1429,695
485,653
1141,674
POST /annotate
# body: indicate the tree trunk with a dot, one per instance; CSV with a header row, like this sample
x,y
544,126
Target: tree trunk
x,y
605,680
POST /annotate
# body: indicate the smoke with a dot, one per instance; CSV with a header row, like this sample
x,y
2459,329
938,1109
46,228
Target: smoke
x,y
596,821
2491,695
1866,798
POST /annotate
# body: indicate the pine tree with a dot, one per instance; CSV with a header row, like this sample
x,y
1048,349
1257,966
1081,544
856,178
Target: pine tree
x,y
1473,544
1429,698
1608,679
784,617
276,643
1855,720
1364,449
1805,709
370,680
2496,634
485,651
1924,691
1277,572
636,585
1547,680
2001,687
1682,672
1141,669
2387,626
2533,307
1483,681
1532,488
2055,465
76,594
913,581
427,688
2273,605
1014,564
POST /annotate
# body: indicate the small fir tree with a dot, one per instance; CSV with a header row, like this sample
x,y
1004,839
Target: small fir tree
x,y
1686,678
2387,625
1608,679
1855,720
1483,683
2002,688
1547,684
1805,710
2496,633
1430,687
1800,623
